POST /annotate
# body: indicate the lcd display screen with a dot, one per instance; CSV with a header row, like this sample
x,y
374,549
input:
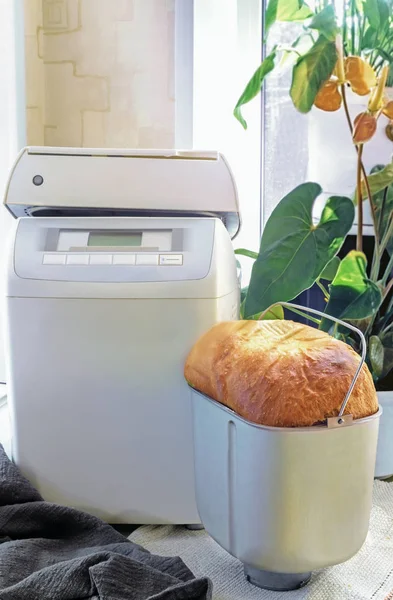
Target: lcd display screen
x,y
114,238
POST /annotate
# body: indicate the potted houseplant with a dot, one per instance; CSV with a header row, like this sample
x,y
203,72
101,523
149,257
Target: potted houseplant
x,y
367,32
295,252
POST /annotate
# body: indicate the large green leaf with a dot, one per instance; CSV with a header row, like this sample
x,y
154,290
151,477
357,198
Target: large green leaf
x,y
382,199
245,252
384,209
376,354
352,294
243,294
325,23
285,10
369,39
376,12
253,87
386,55
387,341
294,251
277,312
311,71
331,269
378,181
389,81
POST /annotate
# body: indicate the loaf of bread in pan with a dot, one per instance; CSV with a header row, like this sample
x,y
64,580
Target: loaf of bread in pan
x,y
279,373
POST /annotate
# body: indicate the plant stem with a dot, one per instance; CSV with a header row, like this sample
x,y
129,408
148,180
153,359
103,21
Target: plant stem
x,y
367,184
345,104
390,305
387,314
388,234
324,290
384,198
387,289
359,237
376,257
373,57
388,270
387,328
305,316
379,65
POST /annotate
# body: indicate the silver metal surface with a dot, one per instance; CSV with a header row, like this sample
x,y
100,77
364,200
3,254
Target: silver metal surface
x,y
342,421
276,582
344,324
286,500
282,429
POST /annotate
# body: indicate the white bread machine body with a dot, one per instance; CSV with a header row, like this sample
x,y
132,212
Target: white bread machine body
x,y
97,336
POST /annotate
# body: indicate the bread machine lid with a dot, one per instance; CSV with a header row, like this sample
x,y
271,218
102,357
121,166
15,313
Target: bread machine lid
x,y
49,181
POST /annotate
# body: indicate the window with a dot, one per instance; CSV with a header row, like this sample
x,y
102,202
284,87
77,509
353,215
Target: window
x,y
227,49
285,131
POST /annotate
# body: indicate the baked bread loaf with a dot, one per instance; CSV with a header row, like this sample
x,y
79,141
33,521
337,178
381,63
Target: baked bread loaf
x,y
279,373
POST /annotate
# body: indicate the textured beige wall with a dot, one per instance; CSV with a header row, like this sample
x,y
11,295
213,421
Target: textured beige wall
x,y
100,73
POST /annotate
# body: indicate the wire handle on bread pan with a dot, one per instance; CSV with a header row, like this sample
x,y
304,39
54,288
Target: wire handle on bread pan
x,y
340,420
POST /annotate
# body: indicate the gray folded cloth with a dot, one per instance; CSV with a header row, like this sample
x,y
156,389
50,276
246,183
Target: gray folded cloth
x,y
51,552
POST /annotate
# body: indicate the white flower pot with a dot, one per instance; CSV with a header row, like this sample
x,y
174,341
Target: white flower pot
x,y
332,155
384,463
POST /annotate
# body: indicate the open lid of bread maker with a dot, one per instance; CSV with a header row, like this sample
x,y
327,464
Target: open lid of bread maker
x,y
57,182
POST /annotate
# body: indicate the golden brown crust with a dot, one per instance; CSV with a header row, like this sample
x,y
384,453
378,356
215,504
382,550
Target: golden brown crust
x,y
279,373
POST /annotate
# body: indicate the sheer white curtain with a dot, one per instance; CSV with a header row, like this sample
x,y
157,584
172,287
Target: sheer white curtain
x,y
12,121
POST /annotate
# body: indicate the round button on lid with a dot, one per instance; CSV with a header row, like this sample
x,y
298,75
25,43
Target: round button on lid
x,y
38,180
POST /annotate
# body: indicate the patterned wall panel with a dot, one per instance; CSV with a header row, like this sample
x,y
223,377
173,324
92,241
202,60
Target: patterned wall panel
x,y
100,73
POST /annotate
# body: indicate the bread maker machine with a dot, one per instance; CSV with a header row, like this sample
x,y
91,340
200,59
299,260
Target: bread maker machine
x,y
285,501
118,261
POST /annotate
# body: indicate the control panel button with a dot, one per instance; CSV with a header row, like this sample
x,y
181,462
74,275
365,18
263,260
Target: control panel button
x,y
54,259
124,259
77,259
171,259
100,259
147,259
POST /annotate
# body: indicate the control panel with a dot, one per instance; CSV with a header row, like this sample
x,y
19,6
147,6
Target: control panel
x,y
112,259
113,249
